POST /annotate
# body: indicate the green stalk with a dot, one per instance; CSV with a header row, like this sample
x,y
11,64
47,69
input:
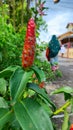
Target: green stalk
x,y
61,109
66,119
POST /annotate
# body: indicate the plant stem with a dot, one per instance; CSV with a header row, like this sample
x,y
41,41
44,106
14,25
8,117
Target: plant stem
x,y
61,109
66,118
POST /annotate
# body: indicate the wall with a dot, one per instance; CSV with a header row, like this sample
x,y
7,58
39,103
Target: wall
x,y
68,53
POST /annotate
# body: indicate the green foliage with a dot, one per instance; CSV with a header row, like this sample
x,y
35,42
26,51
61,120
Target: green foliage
x,y
40,74
18,110
19,79
68,96
41,92
3,103
30,119
64,89
10,44
46,67
6,73
3,85
58,73
66,119
5,116
68,91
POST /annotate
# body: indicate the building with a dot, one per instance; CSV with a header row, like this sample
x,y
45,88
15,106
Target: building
x,y
67,40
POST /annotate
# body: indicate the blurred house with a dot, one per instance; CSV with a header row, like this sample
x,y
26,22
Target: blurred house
x,y
67,40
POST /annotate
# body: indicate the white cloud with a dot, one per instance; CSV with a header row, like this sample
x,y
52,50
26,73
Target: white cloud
x,y
57,24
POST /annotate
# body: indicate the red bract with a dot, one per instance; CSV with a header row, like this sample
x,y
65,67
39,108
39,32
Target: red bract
x,y
41,85
29,45
71,127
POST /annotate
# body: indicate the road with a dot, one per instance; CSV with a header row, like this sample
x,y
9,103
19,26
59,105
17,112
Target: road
x,y
66,67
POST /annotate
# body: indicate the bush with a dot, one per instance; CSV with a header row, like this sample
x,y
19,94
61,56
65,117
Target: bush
x,y
10,44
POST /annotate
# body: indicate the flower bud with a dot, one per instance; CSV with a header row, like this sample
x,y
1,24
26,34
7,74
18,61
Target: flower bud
x,y
29,45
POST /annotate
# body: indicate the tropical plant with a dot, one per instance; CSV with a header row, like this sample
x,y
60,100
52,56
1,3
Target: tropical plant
x,y
19,107
68,97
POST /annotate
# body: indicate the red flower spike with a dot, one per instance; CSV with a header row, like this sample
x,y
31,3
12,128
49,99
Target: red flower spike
x,y
41,85
71,127
29,45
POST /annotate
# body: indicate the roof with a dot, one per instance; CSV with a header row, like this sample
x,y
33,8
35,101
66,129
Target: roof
x,y
67,34
66,37
66,40
69,25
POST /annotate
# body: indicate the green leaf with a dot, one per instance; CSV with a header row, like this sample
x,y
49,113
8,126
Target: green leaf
x,y
67,96
1,56
31,116
8,71
64,89
18,82
40,91
3,103
3,85
44,103
5,115
12,124
72,104
39,73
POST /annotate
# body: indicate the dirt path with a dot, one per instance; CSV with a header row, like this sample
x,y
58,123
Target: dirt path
x,y
66,66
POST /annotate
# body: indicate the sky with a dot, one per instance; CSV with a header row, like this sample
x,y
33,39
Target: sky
x,y
57,18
